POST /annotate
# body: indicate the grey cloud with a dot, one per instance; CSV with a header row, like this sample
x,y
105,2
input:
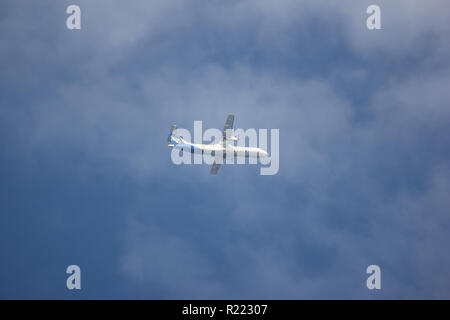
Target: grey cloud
x,y
350,191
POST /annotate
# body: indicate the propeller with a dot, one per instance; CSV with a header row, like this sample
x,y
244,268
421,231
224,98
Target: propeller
x,y
234,138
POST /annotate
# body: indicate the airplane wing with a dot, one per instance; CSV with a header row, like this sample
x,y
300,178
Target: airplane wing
x,y
228,125
215,167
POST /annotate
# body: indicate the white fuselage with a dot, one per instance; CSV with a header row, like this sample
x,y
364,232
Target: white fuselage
x,y
248,152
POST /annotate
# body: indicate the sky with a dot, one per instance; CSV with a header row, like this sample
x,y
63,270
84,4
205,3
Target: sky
x,y
86,176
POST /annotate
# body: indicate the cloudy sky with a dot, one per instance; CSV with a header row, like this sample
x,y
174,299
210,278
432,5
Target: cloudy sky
x,y
86,176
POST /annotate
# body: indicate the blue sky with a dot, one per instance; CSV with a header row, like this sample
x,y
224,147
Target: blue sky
x,y
86,176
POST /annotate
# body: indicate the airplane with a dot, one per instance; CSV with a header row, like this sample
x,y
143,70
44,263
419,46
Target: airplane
x,y
222,146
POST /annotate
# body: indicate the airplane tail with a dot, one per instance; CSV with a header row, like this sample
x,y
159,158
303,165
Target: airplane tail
x,y
172,129
169,138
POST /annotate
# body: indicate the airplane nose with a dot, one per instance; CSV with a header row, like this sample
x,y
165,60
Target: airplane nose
x,y
264,154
